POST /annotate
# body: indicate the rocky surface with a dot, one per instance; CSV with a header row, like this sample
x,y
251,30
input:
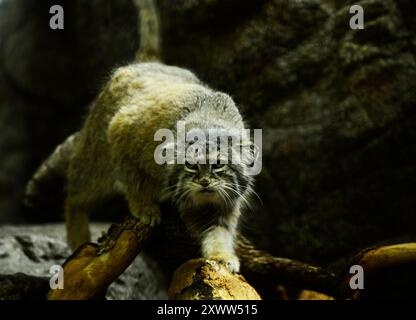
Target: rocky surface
x,y
71,63
28,252
336,107
48,78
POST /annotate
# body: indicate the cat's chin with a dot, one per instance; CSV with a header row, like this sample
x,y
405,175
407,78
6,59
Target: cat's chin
x,y
206,198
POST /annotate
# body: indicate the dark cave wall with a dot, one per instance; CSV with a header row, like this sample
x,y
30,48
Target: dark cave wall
x,y
47,79
336,105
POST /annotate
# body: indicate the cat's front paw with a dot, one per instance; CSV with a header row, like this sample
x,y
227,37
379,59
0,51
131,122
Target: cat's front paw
x,y
150,216
230,261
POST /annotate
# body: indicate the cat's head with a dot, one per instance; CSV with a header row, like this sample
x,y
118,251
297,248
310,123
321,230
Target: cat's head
x,y
210,176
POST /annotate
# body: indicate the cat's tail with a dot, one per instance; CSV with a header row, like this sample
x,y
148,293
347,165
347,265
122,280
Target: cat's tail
x,y
149,30
46,187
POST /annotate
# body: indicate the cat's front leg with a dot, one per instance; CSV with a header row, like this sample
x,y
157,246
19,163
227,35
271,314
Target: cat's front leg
x,y
218,245
144,208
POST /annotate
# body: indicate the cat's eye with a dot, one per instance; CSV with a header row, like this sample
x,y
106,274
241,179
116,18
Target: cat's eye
x,y
191,166
218,166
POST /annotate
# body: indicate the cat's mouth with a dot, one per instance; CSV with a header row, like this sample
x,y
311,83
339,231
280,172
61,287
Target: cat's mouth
x,y
206,196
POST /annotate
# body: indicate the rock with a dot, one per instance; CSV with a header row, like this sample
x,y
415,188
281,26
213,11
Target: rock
x,y
66,66
336,107
32,254
47,79
28,252
13,157
20,286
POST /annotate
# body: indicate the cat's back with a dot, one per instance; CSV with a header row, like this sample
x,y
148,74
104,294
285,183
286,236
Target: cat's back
x,y
145,82
143,98
146,93
160,72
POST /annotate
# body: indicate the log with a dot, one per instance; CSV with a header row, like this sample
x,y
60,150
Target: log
x,y
266,271
388,273
198,279
93,267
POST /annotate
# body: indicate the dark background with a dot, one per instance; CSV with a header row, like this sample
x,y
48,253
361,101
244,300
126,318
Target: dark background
x,y
337,106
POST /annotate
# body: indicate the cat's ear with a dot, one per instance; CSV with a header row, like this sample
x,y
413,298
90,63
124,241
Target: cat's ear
x,y
249,153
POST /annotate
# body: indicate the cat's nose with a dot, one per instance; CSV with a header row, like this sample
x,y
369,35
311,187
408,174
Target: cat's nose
x,y
204,182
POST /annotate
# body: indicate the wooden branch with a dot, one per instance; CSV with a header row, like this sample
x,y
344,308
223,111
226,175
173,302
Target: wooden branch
x,y
265,272
93,267
90,270
382,257
201,280
388,272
